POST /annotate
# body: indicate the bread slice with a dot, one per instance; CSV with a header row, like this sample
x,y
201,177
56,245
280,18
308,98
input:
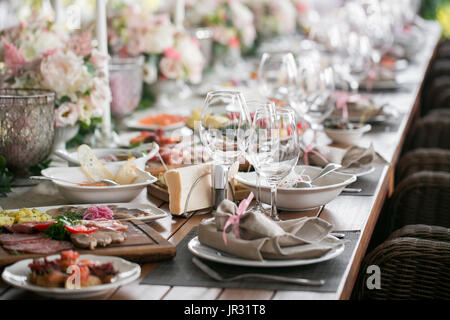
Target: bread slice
x,y
91,166
127,173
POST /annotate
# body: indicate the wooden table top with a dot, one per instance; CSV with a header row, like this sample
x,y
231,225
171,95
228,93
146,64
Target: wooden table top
x,y
346,213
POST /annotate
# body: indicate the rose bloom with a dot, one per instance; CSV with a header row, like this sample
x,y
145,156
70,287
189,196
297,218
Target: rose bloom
x,y
65,74
191,57
97,58
66,114
100,94
171,68
158,39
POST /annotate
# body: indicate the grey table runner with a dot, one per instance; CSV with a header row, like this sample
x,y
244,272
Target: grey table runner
x,y
367,183
180,271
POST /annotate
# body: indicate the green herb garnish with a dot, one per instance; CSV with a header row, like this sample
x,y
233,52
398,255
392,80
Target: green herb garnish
x,y
57,231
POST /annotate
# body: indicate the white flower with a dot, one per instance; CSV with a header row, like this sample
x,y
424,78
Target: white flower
x,y
66,114
65,73
248,35
158,39
191,57
35,45
85,110
98,59
241,15
150,73
171,68
100,94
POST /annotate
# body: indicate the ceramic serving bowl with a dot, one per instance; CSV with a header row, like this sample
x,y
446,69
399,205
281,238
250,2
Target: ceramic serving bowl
x,y
103,153
322,192
347,136
79,194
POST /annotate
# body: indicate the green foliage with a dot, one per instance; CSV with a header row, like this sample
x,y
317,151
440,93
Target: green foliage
x,y
86,129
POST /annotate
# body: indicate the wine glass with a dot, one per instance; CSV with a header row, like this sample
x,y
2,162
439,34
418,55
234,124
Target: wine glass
x,y
316,86
264,111
274,148
277,76
225,125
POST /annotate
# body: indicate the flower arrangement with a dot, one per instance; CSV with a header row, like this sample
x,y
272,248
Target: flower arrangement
x,y
170,53
39,55
231,20
273,17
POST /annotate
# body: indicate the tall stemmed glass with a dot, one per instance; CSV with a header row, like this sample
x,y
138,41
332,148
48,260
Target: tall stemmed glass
x,y
225,125
274,147
277,76
316,86
264,111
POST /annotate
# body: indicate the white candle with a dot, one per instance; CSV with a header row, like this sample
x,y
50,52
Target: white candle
x,y
179,14
57,7
101,24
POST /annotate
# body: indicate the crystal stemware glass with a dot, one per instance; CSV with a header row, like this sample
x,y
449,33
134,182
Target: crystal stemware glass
x,y
225,125
274,148
316,86
263,111
277,76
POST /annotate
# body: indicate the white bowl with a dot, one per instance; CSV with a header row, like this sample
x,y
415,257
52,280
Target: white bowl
x,y
72,157
323,191
78,194
349,137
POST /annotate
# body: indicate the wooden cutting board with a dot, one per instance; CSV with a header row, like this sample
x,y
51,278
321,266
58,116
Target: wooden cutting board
x,y
143,244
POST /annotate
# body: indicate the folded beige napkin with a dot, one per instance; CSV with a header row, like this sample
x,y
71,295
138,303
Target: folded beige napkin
x,y
262,238
350,157
359,107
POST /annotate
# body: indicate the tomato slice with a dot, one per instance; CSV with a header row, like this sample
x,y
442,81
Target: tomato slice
x,y
44,225
79,228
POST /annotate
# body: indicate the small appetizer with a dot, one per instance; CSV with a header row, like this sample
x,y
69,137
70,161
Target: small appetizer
x,y
62,272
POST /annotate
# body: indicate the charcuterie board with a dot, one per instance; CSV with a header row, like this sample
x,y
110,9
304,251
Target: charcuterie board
x,y
142,244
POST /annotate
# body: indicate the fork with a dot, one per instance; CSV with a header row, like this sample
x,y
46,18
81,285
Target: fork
x,y
216,276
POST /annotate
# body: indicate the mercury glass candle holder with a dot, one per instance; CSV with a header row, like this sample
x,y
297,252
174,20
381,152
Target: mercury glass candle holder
x,y
125,81
27,122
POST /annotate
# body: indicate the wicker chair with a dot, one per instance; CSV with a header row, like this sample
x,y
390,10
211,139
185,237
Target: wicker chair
x,y
414,264
436,94
421,198
422,160
429,133
438,114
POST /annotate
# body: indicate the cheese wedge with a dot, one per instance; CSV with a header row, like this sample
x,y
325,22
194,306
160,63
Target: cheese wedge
x,y
179,183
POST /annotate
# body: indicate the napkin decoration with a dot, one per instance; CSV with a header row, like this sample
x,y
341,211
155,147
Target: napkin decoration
x,y
262,238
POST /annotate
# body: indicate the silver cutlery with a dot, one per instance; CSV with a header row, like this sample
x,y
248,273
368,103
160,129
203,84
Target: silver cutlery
x,y
105,181
216,276
352,190
326,170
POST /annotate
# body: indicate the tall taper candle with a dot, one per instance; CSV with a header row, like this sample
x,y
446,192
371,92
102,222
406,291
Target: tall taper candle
x,y
57,7
179,14
101,23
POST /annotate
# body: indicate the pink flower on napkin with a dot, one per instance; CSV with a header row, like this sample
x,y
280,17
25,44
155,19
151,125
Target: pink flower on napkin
x,y
234,219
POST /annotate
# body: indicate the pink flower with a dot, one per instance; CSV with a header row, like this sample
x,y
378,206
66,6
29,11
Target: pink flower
x,y
14,57
170,68
172,53
66,114
50,52
97,58
81,44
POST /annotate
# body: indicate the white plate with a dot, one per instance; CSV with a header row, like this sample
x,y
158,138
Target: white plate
x,y
212,254
133,122
78,194
297,199
17,275
155,212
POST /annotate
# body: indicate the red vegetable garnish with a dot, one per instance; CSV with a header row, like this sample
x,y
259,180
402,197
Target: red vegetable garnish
x,y
79,228
44,225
